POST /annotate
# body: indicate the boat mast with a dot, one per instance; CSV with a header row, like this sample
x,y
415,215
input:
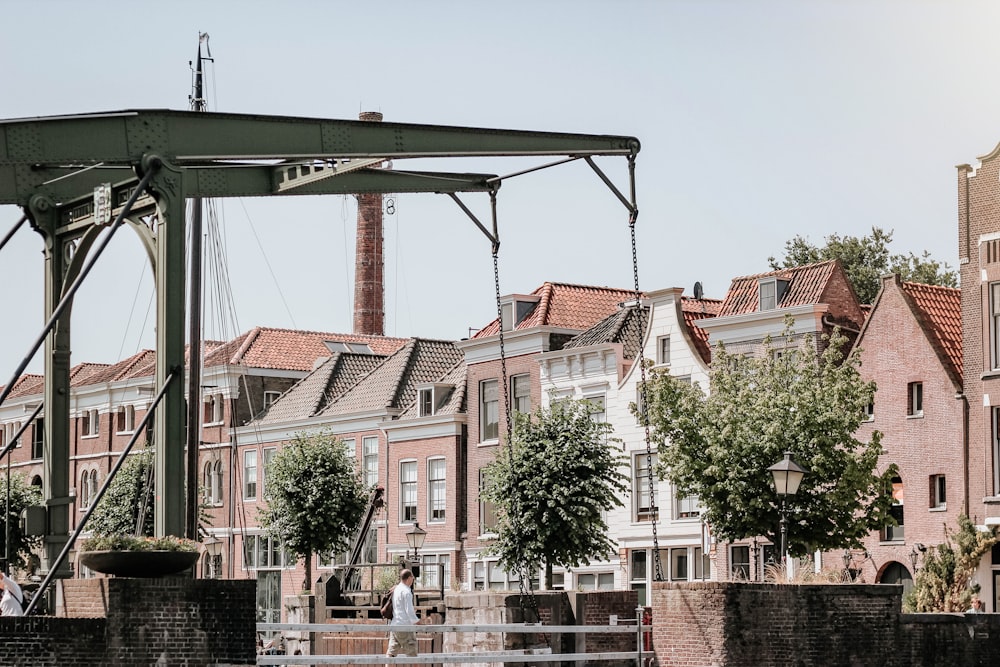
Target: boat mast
x,y
194,333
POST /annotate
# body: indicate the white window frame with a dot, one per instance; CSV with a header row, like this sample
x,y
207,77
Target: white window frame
x,y
995,325
595,581
643,506
408,491
267,455
598,400
686,508
250,474
369,459
520,393
261,552
487,510
437,489
939,492
91,427
663,350
915,399
489,410
425,402
270,397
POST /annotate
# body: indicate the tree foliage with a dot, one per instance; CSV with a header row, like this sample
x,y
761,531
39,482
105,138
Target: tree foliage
x,y
944,583
809,403
865,260
550,485
315,497
22,495
129,495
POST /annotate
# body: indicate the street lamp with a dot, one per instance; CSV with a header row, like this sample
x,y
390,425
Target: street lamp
x,y
787,477
918,548
415,537
213,548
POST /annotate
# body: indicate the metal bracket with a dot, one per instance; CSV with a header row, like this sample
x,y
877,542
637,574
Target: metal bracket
x,y
290,176
494,237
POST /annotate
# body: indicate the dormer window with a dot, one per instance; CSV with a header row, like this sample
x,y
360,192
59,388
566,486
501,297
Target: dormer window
x,y
431,398
772,291
514,308
347,346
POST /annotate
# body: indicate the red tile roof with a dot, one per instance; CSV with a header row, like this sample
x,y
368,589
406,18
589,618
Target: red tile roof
x,y
289,349
27,385
939,311
568,307
806,285
699,309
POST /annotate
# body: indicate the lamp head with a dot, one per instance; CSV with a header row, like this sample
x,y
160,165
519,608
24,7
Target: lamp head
x,y
787,475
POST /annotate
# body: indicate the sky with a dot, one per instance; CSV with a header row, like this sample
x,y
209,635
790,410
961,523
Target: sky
x,y
759,120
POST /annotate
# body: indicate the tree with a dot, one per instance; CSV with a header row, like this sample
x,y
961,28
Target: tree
x,y
550,485
719,446
22,495
127,506
943,583
865,260
315,497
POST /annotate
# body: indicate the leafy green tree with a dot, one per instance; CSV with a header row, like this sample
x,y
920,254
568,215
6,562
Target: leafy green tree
x,y
129,497
719,446
315,497
551,485
943,582
865,260
22,495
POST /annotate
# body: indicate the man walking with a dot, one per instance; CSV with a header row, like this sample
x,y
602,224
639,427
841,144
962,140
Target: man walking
x,y
10,603
403,613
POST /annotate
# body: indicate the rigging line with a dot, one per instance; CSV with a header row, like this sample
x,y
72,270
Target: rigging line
x,y
9,235
75,173
140,428
268,264
84,271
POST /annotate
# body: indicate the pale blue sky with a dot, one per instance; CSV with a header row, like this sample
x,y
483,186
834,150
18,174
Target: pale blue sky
x,y
759,120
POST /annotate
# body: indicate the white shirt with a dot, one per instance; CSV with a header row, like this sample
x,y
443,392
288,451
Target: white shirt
x,y
403,612
10,603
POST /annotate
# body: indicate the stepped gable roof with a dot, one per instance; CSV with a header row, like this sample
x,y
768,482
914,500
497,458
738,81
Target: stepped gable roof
x,y
806,285
315,391
699,309
26,385
567,307
290,349
455,404
939,312
393,383
627,326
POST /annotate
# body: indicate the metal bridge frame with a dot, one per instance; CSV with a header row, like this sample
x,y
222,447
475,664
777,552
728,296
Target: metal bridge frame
x,y
56,169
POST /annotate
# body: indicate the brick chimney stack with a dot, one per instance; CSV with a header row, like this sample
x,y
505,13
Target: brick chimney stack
x,y
369,288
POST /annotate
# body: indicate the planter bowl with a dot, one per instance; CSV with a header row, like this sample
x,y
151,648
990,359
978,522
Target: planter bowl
x,y
139,563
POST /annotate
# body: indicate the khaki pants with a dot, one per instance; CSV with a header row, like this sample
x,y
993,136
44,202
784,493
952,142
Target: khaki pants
x,y
402,643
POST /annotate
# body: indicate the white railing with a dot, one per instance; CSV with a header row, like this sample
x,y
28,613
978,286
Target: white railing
x,y
532,656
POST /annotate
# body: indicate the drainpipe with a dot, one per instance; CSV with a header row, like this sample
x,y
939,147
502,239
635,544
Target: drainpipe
x,y
965,450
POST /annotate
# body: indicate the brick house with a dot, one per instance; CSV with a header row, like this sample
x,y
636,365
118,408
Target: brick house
x,y
911,346
599,365
532,324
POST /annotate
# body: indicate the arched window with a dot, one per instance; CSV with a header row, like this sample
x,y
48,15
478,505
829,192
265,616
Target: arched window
x,y
93,485
85,489
217,483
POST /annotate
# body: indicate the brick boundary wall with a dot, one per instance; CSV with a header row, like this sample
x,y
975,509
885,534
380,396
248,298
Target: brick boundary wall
x,y
170,621
729,624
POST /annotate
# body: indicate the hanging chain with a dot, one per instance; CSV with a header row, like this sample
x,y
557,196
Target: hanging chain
x,y
644,408
503,354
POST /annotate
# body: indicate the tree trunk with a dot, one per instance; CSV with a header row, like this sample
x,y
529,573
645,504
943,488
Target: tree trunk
x,y
548,576
307,584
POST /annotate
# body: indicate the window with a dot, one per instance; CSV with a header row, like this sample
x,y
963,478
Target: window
x,y
369,454
91,423
637,574
38,438
488,575
739,563
88,488
640,406
598,413
436,471
425,402
213,409
663,350
870,412
489,410
408,491
596,581
687,507
487,510
250,474
915,399
702,564
261,551
433,576
125,420
644,486
938,496
212,480
520,391
995,325
269,398
771,291
679,564
891,533
269,454
10,430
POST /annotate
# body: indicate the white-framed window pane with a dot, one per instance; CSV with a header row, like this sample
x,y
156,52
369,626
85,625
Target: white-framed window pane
x,y
679,564
520,386
597,402
269,454
436,489
995,324
663,350
250,474
644,485
408,491
687,507
489,410
369,446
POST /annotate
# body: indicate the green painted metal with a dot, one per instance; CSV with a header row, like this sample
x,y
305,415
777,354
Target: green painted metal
x,y
50,166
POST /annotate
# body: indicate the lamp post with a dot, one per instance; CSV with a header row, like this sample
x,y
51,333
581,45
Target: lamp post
x,y
918,548
787,477
213,548
415,538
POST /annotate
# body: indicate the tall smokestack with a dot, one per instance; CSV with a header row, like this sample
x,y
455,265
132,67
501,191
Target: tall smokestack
x,y
369,288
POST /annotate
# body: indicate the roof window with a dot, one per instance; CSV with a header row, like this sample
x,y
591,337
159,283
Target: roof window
x,y
514,308
771,292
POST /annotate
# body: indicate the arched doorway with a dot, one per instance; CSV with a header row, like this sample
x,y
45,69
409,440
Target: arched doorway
x,y
896,573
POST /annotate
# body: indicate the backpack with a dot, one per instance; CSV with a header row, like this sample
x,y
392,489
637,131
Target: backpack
x,y
385,607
